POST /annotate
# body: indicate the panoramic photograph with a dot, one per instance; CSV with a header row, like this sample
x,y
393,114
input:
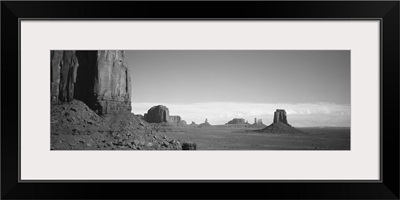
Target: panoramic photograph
x,y
200,100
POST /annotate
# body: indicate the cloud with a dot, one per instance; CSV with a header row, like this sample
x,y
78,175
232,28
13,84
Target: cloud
x,y
304,114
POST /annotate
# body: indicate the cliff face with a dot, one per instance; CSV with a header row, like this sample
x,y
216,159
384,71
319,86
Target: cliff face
x,y
280,116
280,124
64,65
112,85
98,78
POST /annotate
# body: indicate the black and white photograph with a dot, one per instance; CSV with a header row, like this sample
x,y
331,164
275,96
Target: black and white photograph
x,y
200,99
300,98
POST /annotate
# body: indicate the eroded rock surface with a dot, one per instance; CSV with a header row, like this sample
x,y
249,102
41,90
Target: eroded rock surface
x,y
175,119
112,87
280,116
74,126
280,124
64,66
237,121
102,80
205,124
157,114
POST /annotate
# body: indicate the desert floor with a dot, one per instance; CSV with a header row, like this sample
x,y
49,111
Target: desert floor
x,y
222,138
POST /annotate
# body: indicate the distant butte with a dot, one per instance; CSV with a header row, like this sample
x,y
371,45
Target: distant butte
x,y
280,124
237,121
205,124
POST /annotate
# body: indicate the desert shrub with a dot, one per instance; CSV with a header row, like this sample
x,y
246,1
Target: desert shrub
x,y
189,146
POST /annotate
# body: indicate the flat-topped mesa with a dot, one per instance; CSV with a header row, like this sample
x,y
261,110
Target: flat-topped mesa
x,y
280,116
237,121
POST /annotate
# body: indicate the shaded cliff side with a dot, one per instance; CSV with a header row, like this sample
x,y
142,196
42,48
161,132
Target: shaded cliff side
x,y
91,105
280,124
98,78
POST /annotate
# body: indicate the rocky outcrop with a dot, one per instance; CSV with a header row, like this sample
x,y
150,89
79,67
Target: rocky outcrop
x,y
189,146
258,124
237,121
183,123
157,114
193,124
140,116
258,121
280,116
102,80
74,126
113,83
175,119
64,66
280,124
205,124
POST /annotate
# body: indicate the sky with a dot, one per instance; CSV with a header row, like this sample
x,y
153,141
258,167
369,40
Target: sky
x,y
312,86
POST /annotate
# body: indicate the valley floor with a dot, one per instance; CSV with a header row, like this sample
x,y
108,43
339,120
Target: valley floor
x,y
220,138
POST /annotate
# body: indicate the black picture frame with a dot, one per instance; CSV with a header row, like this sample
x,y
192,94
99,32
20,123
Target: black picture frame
x,y
385,11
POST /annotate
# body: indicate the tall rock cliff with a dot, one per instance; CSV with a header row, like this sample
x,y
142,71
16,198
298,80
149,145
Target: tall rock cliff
x,y
98,78
280,124
280,116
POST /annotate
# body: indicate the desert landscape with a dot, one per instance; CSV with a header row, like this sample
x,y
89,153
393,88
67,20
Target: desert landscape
x,y
225,138
91,109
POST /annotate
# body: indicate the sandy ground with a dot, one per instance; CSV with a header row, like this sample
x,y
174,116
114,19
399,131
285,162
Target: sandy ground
x,y
220,138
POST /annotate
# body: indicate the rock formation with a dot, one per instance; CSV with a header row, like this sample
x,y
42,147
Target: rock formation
x,y
157,114
98,78
280,124
258,124
140,116
205,124
64,66
74,126
175,119
237,121
189,146
183,123
193,124
280,116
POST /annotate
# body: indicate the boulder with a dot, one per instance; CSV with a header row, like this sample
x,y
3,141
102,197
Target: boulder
x,y
157,114
189,146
